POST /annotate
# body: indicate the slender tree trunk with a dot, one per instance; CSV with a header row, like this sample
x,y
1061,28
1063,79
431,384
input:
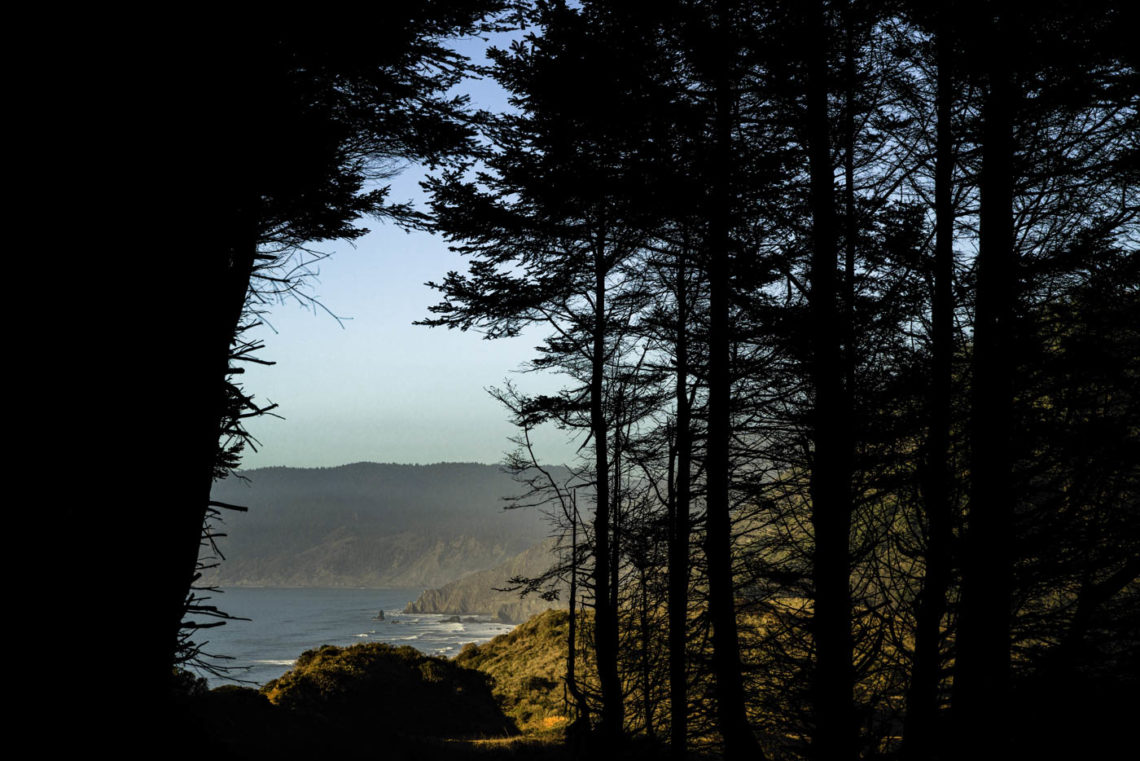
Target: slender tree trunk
x,y
605,614
835,732
982,675
679,535
616,508
739,742
920,729
646,636
583,710
851,223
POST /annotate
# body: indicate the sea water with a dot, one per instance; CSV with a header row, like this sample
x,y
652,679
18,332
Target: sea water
x,y
286,622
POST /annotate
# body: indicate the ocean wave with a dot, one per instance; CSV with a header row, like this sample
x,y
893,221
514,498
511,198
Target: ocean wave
x,y
275,661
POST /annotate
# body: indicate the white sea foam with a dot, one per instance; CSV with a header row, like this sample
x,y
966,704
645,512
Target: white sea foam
x,y
291,622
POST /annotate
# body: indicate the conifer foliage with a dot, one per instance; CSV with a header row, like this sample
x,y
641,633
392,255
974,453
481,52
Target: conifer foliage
x,y
844,294
815,271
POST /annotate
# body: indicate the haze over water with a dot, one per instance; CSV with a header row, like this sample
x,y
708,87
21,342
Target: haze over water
x,y
286,622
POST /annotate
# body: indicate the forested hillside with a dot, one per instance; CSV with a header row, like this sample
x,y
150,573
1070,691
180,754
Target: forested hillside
x,y
370,524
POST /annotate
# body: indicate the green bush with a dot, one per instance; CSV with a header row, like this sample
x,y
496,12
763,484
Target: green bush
x,y
381,688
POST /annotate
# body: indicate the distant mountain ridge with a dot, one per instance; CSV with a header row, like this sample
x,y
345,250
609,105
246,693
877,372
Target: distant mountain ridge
x,y
370,525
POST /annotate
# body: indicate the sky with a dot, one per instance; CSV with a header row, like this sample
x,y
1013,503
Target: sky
x,y
374,387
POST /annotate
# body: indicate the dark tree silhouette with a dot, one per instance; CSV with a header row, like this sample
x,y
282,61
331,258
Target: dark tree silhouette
x,y
553,219
721,78
831,430
923,702
286,127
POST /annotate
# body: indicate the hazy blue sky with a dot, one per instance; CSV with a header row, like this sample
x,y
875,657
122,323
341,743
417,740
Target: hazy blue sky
x,y
379,388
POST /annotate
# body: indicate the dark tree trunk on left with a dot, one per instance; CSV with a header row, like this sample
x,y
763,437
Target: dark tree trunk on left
x,y
213,266
234,271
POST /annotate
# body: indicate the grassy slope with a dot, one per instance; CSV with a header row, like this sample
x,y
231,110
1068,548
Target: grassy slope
x,y
527,667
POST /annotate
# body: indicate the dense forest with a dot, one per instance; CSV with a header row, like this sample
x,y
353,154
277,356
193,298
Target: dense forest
x,y
848,297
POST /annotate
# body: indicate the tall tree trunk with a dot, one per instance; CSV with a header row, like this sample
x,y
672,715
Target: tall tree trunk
x,y
982,675
835,733
605,614
851,222
739,742
207,355
203,279
646,637
679,534
616,516
582,719
920,729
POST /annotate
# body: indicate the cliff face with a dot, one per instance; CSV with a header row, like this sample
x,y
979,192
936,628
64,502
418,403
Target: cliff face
x,y
476,593
369,525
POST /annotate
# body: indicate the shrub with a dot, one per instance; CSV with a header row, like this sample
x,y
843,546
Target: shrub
x,y
376,687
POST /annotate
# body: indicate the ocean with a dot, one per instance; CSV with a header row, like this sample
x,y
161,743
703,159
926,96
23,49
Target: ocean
x,y
286,622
